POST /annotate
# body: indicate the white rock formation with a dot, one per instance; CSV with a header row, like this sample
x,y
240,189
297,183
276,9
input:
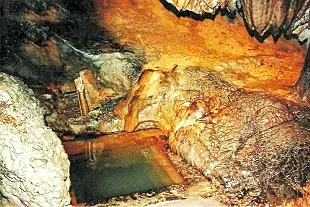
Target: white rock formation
x,y
34,168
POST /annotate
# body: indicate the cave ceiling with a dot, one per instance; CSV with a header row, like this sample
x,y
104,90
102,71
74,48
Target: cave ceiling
x,y
166,38
181,38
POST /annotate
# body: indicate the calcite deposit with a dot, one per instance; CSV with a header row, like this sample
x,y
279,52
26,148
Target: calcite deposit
x,y
252,146
170,37
34,168
264,18
84,58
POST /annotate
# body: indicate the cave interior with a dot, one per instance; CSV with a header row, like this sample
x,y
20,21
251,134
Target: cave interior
x,y
119,79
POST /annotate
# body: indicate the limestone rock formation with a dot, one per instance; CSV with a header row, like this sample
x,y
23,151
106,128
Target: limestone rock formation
x,y
34,168
254,147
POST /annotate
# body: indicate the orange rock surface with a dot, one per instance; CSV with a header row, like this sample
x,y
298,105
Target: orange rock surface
x,y
220,44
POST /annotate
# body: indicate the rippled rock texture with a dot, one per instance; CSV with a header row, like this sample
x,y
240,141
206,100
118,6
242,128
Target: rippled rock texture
x,y
252,146
261,16
34,168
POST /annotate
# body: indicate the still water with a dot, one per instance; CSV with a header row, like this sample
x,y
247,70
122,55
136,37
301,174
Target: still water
x,y
122,171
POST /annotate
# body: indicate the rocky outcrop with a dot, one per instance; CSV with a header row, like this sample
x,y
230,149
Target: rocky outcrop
x,y
34,168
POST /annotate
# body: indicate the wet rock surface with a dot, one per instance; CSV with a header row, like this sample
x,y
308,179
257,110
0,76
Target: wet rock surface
x,y
252,146
34,168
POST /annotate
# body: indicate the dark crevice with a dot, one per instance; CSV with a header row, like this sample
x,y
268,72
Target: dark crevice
x,y
303,84
76,24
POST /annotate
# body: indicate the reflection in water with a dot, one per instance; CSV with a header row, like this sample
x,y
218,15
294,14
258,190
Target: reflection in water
x,y
105,173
